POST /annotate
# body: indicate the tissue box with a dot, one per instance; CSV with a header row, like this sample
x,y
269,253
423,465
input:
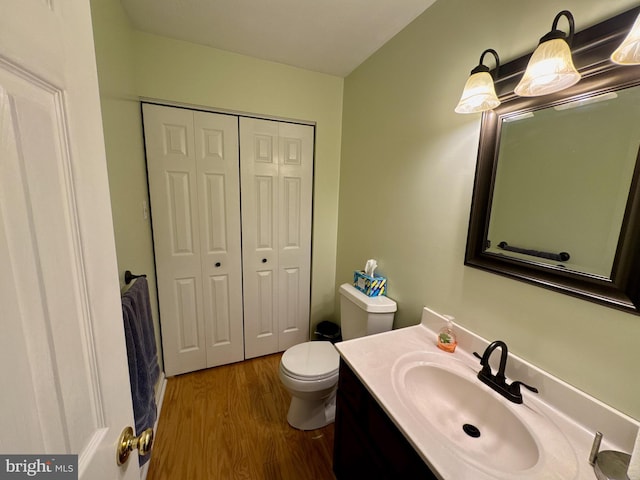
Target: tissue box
x,y
370,286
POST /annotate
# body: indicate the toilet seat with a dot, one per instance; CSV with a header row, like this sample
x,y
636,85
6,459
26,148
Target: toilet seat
x,y
311,361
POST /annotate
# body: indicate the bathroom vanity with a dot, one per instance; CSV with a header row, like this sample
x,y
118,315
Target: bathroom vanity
x,y
406,409
367,443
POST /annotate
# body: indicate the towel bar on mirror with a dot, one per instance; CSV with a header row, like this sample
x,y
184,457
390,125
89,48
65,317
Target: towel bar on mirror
x,y
560,257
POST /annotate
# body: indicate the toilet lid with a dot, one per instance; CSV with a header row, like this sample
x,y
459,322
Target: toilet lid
x,y
311,360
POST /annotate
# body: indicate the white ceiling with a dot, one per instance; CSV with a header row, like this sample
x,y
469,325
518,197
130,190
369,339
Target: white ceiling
x,y
328,36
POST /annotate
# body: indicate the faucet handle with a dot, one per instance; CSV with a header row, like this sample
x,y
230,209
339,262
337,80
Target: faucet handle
x,y
485,365
486,368
515,387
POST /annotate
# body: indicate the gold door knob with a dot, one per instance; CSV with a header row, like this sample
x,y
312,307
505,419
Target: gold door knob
x,y
129,442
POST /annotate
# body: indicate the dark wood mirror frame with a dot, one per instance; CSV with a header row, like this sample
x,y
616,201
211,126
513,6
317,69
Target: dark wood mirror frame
x,y
591,49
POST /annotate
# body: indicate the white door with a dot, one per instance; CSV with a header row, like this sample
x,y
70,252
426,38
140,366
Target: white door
x,y
221,251
259,176
192,164
64,377
276,182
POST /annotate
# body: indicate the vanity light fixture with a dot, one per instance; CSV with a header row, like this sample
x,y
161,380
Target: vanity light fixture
x,y
479,93
550,68
628,53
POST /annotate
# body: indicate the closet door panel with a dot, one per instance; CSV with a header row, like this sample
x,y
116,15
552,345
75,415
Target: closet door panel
x,y
264,190
216,144
259,184
171,167
290,302
219,327
186,310
277,171
294,219
264,320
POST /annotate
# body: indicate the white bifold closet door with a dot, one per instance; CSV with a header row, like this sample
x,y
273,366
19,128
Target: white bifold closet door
x,y
276,175
192,163
231,209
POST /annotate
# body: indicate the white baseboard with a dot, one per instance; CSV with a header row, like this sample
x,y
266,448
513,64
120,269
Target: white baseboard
x,y
162,385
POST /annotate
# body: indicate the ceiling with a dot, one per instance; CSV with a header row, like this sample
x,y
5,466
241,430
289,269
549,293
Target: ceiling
x,y
327,36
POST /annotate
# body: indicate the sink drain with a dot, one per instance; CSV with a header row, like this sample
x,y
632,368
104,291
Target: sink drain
x,y
471,430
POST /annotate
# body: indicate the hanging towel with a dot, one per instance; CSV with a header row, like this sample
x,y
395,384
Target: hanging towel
x,y
142,355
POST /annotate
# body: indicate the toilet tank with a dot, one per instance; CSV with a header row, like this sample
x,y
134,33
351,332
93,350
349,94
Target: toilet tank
x,y
361,315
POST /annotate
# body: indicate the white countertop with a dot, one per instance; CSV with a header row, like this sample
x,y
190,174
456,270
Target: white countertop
x,y
563,420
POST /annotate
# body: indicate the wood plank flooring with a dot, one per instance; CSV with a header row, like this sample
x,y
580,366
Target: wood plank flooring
x,y
230,422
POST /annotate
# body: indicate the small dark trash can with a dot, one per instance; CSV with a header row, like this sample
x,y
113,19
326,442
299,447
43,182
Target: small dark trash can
x,y
328,331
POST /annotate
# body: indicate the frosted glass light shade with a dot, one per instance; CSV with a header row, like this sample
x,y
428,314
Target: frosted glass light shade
x,y
550,70
628,53
479,94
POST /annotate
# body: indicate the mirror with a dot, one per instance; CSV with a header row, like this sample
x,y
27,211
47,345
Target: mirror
x,y
556,199
562,182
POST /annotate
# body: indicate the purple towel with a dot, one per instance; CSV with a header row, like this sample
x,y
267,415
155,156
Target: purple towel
x,y
142,355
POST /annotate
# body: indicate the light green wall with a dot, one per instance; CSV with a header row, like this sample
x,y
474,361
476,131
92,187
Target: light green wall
x,y
122,124
406,178
133,64
183,72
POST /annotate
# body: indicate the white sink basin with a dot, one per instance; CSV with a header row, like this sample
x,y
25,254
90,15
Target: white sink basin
x,y
445,399
469,415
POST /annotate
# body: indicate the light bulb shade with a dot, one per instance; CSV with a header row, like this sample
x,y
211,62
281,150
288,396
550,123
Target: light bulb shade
x,y
550,70
479,94
628,53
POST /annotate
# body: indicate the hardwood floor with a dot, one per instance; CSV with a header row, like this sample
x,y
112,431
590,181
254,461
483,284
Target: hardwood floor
x,y
230,422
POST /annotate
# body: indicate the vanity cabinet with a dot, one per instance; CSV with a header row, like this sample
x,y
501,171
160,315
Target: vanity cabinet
x,y
367,443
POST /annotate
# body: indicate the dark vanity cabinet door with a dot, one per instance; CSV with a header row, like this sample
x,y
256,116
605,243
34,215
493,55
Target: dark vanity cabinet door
x,y
367,443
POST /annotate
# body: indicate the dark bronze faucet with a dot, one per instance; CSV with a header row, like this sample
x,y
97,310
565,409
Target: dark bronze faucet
x,y
498,382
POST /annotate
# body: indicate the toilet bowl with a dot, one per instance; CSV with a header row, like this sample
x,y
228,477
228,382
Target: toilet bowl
x,y
309,371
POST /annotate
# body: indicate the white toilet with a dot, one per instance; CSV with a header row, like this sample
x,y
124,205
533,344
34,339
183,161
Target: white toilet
x,y
309,370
